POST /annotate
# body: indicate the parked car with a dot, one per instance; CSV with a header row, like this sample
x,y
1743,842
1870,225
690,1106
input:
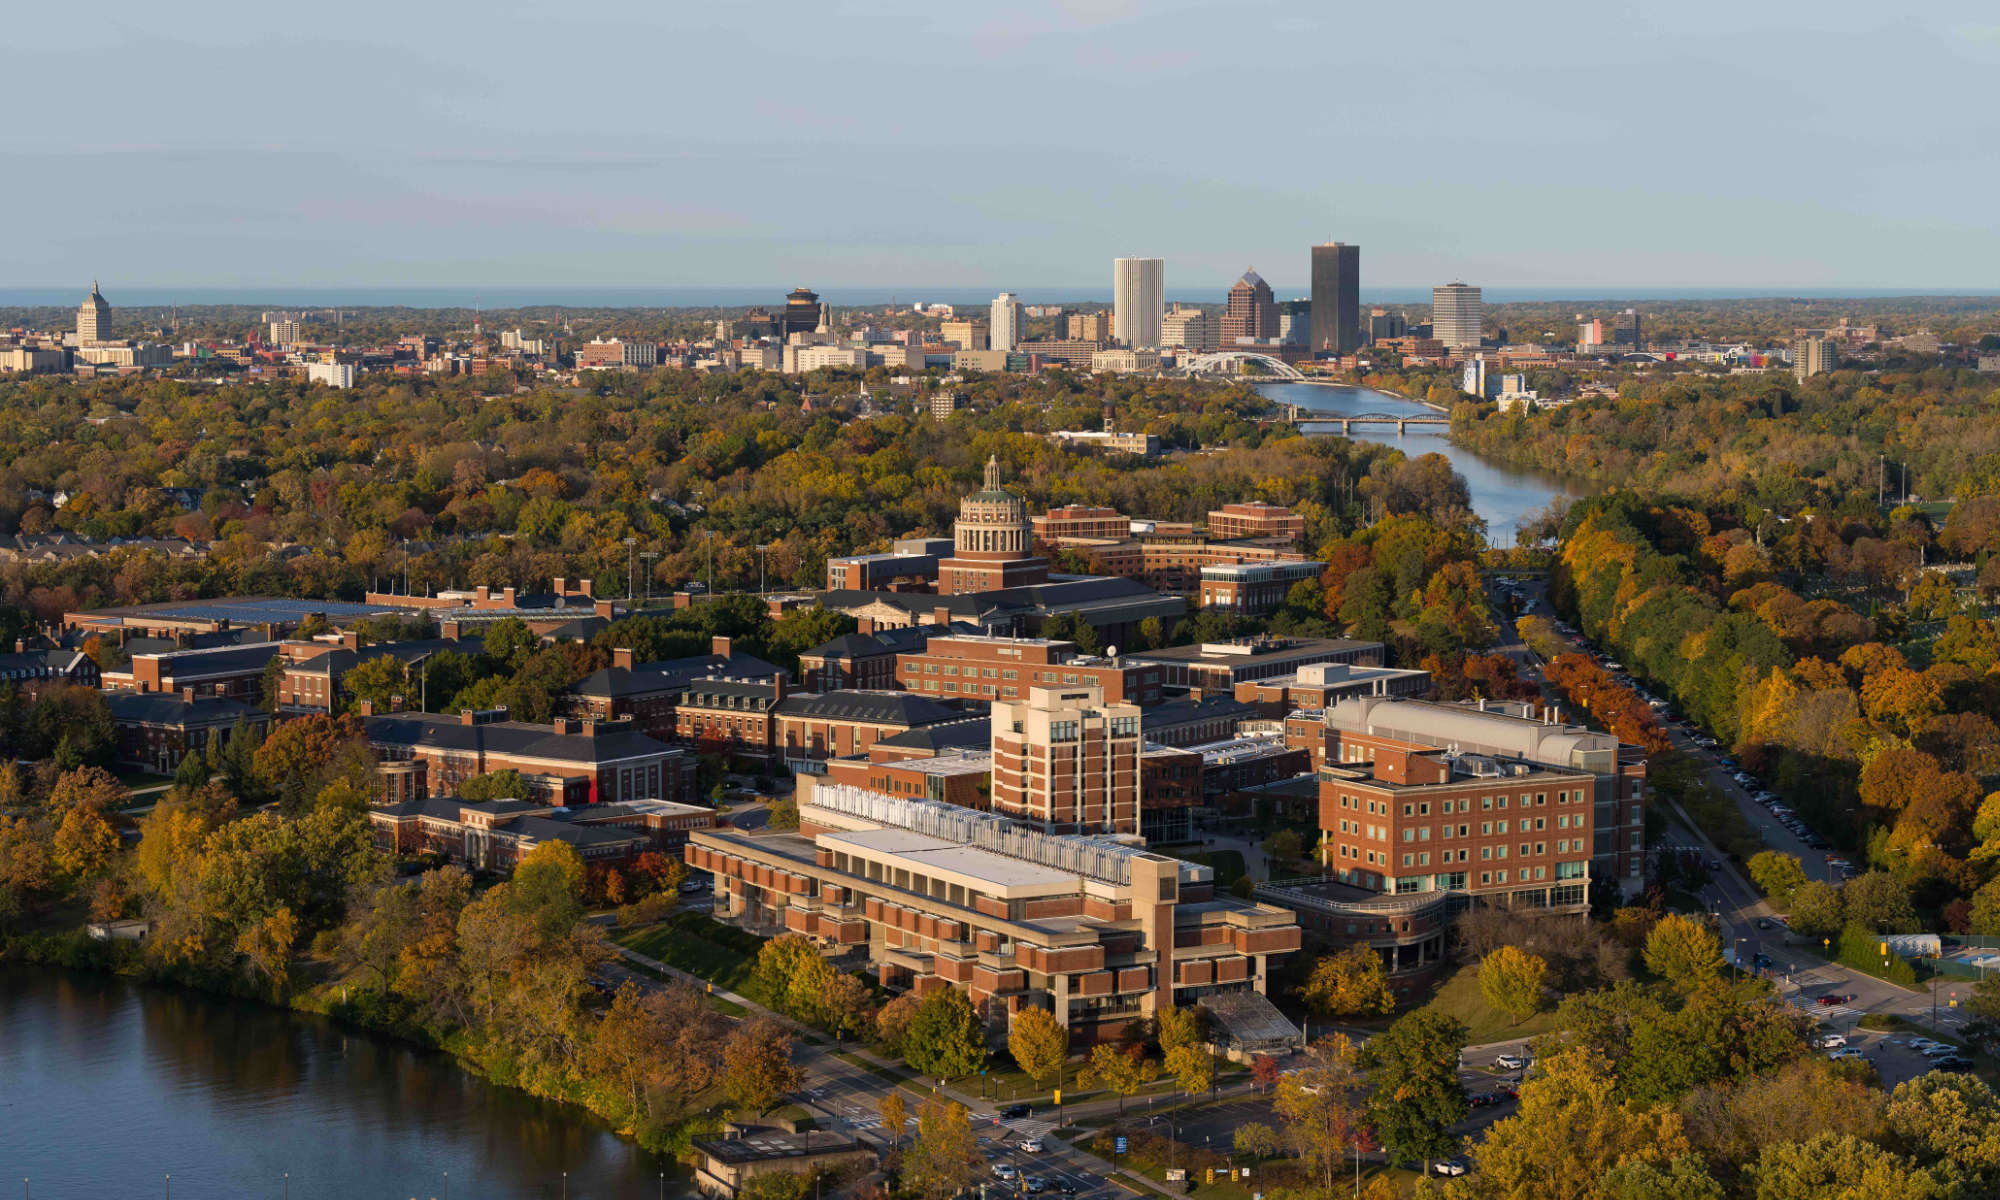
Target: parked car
x,y
1014,1112
1951,1062
1449,1166
1938,1050
1846,1052
1483,1099
1922,1043
1833,998
1004,1171
1510,1062
1763,922
1831,1041
1031,1145
1033,1184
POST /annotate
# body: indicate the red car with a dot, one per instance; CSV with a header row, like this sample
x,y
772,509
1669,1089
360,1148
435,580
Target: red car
x,y
1832,998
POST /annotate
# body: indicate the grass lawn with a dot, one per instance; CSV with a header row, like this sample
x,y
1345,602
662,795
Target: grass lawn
x,y
701,946
1458,996
134,777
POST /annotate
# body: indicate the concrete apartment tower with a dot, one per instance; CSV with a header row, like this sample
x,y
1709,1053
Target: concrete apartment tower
x,y
93,318
1138,301
1812,355
1336,298
1009,318
1455,316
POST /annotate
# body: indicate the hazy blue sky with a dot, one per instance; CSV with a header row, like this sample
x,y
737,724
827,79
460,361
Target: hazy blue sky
x,y
1691,143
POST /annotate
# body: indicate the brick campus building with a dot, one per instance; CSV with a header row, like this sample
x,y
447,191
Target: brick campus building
x,y
1095,930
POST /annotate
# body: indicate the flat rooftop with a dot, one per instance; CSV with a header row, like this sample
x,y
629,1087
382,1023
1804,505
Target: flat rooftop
x,y
938,854
1256,649
237,610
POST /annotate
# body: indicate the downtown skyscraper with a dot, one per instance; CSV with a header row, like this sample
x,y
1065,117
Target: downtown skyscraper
x,y
1138,301
1336,298
1455,316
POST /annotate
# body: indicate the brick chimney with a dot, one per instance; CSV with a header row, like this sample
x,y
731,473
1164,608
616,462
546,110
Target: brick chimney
x,y
396,704
350,639
448,630
587,586
483,592
603,608
719,645
864,625
507,596
366,708
778,687
940,616
587,727
570,725
561,585
187,694
467,717
622,659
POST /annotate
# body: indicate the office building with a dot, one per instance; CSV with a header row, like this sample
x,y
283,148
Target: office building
x,y
1256,519
1090,327
1295,322
1455,316
1627,332
599,353
982,670
1253,589
93,318
1590,334
1187,329
1252,314
1383,325
565,762
1138,301
332,374
1079,521
1214,669
1336,298
495,835
992,542
965,334
801,314
1813,356
1009,323
1096,932
1611,774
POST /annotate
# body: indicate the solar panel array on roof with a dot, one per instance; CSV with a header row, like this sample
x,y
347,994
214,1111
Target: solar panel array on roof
x,y
257,611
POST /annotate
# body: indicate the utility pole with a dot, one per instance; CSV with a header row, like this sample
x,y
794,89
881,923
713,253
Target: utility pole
x,y
652,558
762,547
1879,477
708,541
630,578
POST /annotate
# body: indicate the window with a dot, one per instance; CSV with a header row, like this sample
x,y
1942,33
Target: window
x,y
1409,810
1409,835
1424,809
1503,802
1524,849
1486,802
1485,827
1424,834
1500,877
1486,853
1500,827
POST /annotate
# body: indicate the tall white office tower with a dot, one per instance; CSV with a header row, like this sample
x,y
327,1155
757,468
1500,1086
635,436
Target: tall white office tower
x,y
1455,316
1138,301
1008,320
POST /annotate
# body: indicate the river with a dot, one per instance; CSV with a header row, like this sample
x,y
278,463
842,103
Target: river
x,y
108,1087
1500,495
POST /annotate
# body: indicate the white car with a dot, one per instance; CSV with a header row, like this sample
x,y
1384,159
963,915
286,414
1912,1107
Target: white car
x,y
1850,1052
1004,1171
1939,1051
1832,1041
1922,1043
1031,1145
1449,1166
1510,1062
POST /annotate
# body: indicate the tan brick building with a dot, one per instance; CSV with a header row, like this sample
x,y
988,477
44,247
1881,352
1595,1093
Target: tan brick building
x,y
1068,760
989,670
1256,519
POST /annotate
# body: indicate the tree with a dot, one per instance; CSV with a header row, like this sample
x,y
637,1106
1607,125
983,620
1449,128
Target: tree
x,y
1512,980
1879,902
1038,1042
1837,1167
757,1067
1731,1119
294,756
780,961
892,1023
493,785
944,1159
1254,1139
894,1113
1778,876
1817,910
268,946
1685,1178
548,885
1265,1072
92,788
1417,1096
84,843
1683,951
1948,1117
1192,1067
378,680
1122,1069
847,1006
1569,1132
1350,982
1321,1106
1179,1027
1283,846
945,1039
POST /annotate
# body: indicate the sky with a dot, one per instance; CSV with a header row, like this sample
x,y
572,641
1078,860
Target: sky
x,y
1021,145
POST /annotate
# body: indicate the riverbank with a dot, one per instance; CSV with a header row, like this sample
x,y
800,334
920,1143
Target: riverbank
x,y
362,1010
1381,389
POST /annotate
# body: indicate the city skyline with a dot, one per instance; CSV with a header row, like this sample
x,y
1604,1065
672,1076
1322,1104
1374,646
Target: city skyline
x,y
446,173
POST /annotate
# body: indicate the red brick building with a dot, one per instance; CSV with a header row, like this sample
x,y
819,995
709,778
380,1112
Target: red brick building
x,y
986,670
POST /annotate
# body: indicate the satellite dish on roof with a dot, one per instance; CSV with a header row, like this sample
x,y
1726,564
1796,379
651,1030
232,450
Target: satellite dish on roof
x,y
1111,652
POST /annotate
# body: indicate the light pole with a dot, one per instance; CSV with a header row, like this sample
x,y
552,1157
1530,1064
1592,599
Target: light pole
x,y
652,558
630,577
762,547
708,543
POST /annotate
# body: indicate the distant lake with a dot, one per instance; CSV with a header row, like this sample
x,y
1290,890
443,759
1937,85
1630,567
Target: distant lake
x,y
107,1087
1500,495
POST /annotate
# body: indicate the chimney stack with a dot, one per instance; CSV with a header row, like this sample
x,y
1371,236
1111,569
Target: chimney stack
x,y
366,708
561,585
187,694
940,616
602,608
507,596
396,703
864,625
622,659
467,717
587,586
719,646
350,639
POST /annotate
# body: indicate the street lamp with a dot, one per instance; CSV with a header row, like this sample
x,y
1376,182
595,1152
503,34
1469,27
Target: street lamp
x,y
652,558
629,576
762,547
